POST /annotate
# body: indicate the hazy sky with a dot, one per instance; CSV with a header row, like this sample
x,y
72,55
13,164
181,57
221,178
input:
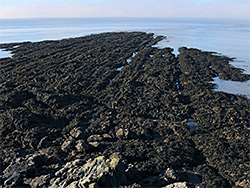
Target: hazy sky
x,y
125,8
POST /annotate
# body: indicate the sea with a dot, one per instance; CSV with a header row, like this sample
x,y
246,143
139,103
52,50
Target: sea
x,y
228,37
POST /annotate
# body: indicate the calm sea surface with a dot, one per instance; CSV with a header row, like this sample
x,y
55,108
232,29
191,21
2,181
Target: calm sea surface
x,y
225,36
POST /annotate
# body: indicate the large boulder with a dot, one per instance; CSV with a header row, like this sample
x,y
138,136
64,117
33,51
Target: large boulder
x,y
100,171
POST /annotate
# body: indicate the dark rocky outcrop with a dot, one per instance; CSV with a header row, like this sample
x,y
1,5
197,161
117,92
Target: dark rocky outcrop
x,y
110,110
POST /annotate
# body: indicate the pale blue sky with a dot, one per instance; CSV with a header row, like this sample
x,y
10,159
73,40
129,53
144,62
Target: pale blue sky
x,y
125,8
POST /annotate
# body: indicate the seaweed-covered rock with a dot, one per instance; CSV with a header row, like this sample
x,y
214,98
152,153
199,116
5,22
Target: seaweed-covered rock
x,y
74,102
105,172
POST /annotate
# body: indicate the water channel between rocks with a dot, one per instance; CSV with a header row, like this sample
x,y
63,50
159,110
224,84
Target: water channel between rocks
x,y
227,86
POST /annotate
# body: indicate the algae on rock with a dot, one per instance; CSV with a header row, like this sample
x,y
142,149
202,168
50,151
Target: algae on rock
x,y
101,171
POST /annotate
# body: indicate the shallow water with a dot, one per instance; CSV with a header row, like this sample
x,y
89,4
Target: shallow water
x,y
225,36
120,68
191,124
5,54
228,86
128,61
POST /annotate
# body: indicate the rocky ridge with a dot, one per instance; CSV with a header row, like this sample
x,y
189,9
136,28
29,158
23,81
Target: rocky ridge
x,y
110,110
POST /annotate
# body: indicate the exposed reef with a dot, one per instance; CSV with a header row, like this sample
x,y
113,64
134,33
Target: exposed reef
x,y
110,110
